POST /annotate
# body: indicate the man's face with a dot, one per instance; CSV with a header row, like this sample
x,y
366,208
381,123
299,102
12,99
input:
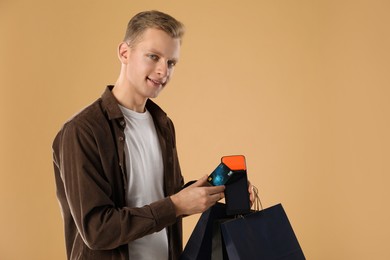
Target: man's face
x,y
151,62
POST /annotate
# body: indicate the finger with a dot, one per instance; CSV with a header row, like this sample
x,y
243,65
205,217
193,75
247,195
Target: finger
x,y
201,182
251,199
250,190
250,187
251,194
216,197
215,189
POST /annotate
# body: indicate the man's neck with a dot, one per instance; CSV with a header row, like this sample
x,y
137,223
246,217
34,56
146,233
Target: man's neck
x,y
126,98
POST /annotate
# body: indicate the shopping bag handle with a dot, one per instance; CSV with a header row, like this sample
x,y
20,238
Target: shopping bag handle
x,y
257,206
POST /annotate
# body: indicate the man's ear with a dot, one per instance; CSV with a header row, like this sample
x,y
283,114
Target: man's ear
x,y
123,52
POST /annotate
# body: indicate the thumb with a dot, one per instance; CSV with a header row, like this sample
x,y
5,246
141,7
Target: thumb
x,y
201,182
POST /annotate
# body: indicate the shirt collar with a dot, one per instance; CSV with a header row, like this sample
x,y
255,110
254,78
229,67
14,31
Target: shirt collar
x,y
110,104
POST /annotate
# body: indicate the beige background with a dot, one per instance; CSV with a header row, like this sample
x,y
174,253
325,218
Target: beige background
x,y
301,88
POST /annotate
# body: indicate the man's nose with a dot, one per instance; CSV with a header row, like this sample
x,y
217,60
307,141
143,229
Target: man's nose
x,y
162,68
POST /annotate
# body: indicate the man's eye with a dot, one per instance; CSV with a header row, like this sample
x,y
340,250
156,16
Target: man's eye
x,y
153,57
171,64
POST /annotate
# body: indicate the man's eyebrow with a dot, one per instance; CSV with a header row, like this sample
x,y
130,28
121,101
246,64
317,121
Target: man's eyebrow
x,y
154,51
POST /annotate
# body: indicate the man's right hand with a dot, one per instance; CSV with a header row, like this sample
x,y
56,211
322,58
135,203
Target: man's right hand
x,y
197,197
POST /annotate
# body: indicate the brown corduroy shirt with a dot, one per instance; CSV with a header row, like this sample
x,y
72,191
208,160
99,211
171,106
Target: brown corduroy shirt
x,y
90,174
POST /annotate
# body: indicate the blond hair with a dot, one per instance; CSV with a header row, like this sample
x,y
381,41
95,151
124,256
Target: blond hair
x,y
152,19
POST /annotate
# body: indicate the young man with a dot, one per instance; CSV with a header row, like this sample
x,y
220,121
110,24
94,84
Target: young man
x,y
117,172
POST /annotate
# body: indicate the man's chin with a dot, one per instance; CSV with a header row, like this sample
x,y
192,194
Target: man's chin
x,y
155,94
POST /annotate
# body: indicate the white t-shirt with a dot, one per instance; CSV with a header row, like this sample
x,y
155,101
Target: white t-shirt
x,y
145,174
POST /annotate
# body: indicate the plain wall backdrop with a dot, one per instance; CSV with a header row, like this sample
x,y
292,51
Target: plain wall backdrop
x,y
301,88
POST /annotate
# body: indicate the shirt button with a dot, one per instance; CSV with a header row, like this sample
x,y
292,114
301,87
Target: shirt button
x,y
122,122
121,138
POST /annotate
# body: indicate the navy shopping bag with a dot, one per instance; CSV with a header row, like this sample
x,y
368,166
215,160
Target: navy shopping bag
x,y
262,235
218,248
199,245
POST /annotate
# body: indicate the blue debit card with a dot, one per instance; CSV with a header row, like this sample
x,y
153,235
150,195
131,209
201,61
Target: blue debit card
x,y
220,175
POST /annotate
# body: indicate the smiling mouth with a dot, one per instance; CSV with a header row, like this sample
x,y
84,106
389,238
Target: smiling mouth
x,y
156,82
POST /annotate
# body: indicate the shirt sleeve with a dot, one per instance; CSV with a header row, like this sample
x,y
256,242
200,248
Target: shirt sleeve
x,y
88,194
